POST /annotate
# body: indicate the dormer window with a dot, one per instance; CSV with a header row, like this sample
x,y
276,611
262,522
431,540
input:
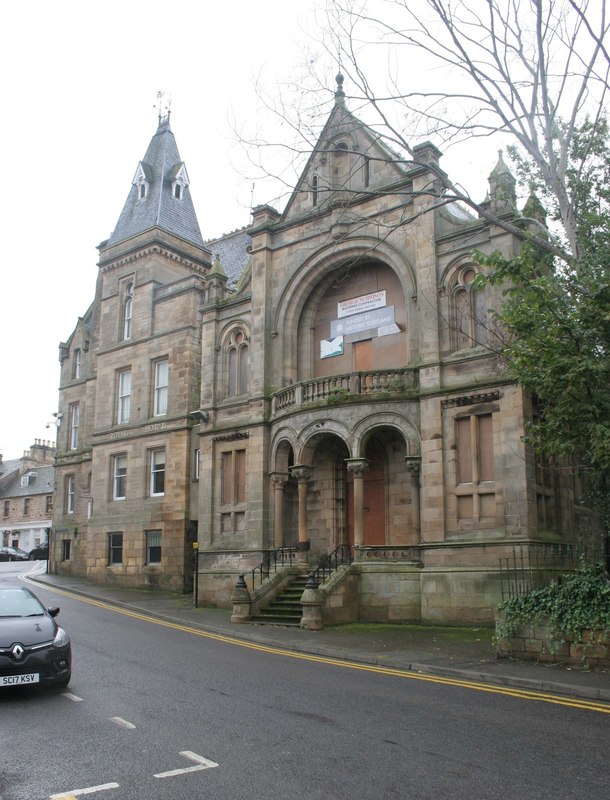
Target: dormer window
x,y
179,181
141,182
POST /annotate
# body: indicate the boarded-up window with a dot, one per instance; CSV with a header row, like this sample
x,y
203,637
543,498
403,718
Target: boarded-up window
x,y
476,500
233,477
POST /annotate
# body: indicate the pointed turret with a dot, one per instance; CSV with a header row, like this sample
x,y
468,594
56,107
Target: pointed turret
x,y
159,195
502,192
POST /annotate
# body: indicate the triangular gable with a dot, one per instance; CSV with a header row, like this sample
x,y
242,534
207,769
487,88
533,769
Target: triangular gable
x,y
348,160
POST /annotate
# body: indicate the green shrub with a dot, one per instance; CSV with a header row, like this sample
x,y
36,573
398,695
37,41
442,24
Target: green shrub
x,y
577,608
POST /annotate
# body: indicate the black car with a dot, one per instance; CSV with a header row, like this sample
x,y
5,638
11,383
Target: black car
x,y
42,551
12,554
33,647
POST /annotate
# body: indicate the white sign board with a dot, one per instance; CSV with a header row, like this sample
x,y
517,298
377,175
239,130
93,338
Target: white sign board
x,y
358,305
362,322
331,347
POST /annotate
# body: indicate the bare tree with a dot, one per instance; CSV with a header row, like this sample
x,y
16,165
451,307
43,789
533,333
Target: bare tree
x,y
531,71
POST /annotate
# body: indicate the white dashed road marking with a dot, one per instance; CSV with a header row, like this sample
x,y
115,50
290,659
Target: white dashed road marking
x,y
202,763
80,792
73,697
123,722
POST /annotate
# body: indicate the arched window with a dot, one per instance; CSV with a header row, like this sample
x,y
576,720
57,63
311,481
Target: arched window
x,y
314,190
237,364
470,319
127,311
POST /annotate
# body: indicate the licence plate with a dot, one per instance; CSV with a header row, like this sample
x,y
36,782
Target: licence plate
x,y
18,680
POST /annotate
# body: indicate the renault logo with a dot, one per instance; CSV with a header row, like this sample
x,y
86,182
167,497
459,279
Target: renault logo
x,y
17,652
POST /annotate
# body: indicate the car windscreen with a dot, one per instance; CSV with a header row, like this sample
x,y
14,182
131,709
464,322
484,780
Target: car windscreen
x,y
19,603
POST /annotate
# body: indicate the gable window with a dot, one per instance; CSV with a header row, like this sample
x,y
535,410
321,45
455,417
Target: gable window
x,y
25,481
119,477
469,312
115,548
69,494
475,472
153,547
124,396
140,182
142,191
76,363
237,358
26,506
314,190
157,472
74,418
366,172
161,387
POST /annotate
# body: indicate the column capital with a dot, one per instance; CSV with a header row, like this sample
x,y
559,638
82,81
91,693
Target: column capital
x,y
279,479
413,465
358,466
302,472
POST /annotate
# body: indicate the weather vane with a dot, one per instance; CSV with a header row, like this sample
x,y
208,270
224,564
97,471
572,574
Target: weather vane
x,y
164,106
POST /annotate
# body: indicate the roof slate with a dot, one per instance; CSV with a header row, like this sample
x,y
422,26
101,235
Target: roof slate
x,y
232,250
159,209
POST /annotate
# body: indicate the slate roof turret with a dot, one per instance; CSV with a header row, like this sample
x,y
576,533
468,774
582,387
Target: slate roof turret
x,y
154,200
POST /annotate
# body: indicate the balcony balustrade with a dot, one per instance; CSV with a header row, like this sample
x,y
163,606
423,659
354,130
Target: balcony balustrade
x,y
336,388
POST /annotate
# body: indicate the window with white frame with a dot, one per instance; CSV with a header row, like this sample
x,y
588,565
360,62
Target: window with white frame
x,y
153,547
119,477
124,396
69,494
161,385
74,418
157,472
76,364
127,311
196,465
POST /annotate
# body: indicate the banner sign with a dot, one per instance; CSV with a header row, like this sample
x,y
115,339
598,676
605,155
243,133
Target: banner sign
x,y
331,347
362,322
357,305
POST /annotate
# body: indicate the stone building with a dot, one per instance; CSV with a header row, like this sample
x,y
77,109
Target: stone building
x,y
26,496
318,383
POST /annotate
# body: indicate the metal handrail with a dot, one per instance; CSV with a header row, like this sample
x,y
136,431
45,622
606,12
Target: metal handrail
x,y
281,556
331,562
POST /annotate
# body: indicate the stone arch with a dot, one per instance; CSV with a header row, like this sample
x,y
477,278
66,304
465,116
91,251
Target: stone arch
x,y
314,284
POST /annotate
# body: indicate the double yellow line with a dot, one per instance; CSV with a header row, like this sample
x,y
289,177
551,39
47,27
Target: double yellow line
x,y
522,694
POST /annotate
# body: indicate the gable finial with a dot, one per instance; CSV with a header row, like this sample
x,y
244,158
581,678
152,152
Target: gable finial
x,y
164,107
339,94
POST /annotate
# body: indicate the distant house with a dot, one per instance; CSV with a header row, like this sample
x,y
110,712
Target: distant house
x,y
26,496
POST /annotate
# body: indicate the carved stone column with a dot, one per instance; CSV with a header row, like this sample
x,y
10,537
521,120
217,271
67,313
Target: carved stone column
x,y
414,467
358,466
302,473
279,480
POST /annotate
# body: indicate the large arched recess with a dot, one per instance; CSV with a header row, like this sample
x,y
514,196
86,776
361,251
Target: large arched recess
x,y
346,270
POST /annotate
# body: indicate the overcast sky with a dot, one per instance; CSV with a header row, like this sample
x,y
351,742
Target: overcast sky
x,y
80,85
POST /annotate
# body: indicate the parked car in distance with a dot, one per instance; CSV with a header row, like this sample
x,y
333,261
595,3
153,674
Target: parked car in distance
x,y
42,551
34,649
12,554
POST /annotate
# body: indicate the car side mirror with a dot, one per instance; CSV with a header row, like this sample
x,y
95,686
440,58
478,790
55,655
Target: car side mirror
x,y
53,611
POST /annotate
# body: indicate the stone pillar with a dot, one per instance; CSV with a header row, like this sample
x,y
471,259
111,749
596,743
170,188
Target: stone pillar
x,y
302,473
279,480
414,467
358,466
241,600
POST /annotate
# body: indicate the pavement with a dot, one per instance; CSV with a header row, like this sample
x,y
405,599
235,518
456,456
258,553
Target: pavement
x,y
465,654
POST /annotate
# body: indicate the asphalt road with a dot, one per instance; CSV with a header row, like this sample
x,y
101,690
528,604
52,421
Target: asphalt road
x,y
159,712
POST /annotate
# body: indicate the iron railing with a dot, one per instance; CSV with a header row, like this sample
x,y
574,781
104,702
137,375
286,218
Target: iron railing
x,y
331,562
274,559
531,566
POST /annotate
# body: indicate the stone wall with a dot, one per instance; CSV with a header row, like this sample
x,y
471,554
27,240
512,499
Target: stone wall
x,y
535,643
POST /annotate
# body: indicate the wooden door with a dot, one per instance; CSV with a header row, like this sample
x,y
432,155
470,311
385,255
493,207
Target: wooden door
x,y
374,500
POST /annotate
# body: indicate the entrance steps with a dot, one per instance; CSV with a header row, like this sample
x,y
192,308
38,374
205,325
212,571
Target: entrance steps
x,y
285,609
